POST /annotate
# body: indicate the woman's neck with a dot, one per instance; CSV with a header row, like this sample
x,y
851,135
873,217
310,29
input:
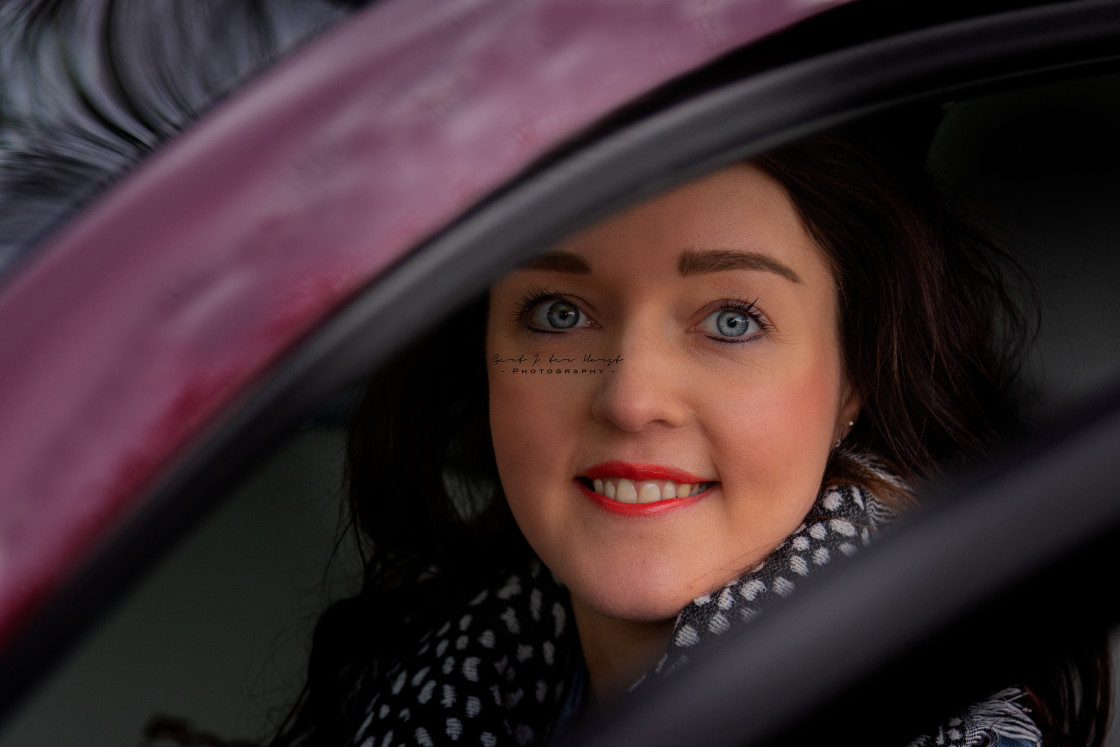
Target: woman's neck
x,y
617,652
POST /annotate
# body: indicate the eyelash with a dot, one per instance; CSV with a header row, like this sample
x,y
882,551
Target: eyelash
x,y
746,308
529,301
538,294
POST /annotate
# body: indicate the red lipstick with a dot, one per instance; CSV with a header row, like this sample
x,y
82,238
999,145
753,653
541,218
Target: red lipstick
x,y
641,473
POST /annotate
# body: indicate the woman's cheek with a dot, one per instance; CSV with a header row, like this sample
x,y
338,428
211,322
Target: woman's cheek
x,y
512,419
529,415
780,427
532,448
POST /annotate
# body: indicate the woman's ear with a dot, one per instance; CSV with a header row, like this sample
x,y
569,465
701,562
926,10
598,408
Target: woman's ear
x,y
851,402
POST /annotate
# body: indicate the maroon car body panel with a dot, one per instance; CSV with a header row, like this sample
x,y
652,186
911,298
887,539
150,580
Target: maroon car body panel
x,y
139,322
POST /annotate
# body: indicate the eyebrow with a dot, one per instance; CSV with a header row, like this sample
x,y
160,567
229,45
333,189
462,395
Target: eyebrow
x,y
719,260
568,262
692,262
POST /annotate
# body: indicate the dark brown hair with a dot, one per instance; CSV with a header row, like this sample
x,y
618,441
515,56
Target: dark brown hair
x,y
932,340
932,336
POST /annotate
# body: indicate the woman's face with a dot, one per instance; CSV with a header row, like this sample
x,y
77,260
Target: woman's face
x,y
665,388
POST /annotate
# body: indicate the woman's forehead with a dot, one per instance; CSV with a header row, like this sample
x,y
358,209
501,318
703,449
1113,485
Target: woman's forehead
x,y
736,218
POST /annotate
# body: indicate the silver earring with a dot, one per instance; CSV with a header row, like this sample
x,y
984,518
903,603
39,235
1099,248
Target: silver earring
x,y
840,438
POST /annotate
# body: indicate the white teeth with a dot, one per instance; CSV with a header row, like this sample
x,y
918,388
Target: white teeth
x,y
649,493
626,491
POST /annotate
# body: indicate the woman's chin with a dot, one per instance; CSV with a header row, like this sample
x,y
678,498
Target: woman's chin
x,y
633,602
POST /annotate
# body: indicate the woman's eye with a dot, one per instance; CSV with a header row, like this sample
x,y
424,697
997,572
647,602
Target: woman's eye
x,y
730,323
556,314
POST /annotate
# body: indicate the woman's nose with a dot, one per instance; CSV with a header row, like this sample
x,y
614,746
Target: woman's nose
x,y
644,387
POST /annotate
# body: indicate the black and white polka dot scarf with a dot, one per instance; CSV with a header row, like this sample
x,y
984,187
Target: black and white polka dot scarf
x,y
500,670
842,521
495,674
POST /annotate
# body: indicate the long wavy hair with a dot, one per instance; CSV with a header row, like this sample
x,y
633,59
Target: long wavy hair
x,y
936,323
933,329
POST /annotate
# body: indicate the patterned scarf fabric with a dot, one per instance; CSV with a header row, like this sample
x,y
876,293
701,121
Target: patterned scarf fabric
x,y
495,674
500,671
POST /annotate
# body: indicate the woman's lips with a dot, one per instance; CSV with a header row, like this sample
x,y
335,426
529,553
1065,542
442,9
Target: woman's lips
x,y
640,472
642,487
